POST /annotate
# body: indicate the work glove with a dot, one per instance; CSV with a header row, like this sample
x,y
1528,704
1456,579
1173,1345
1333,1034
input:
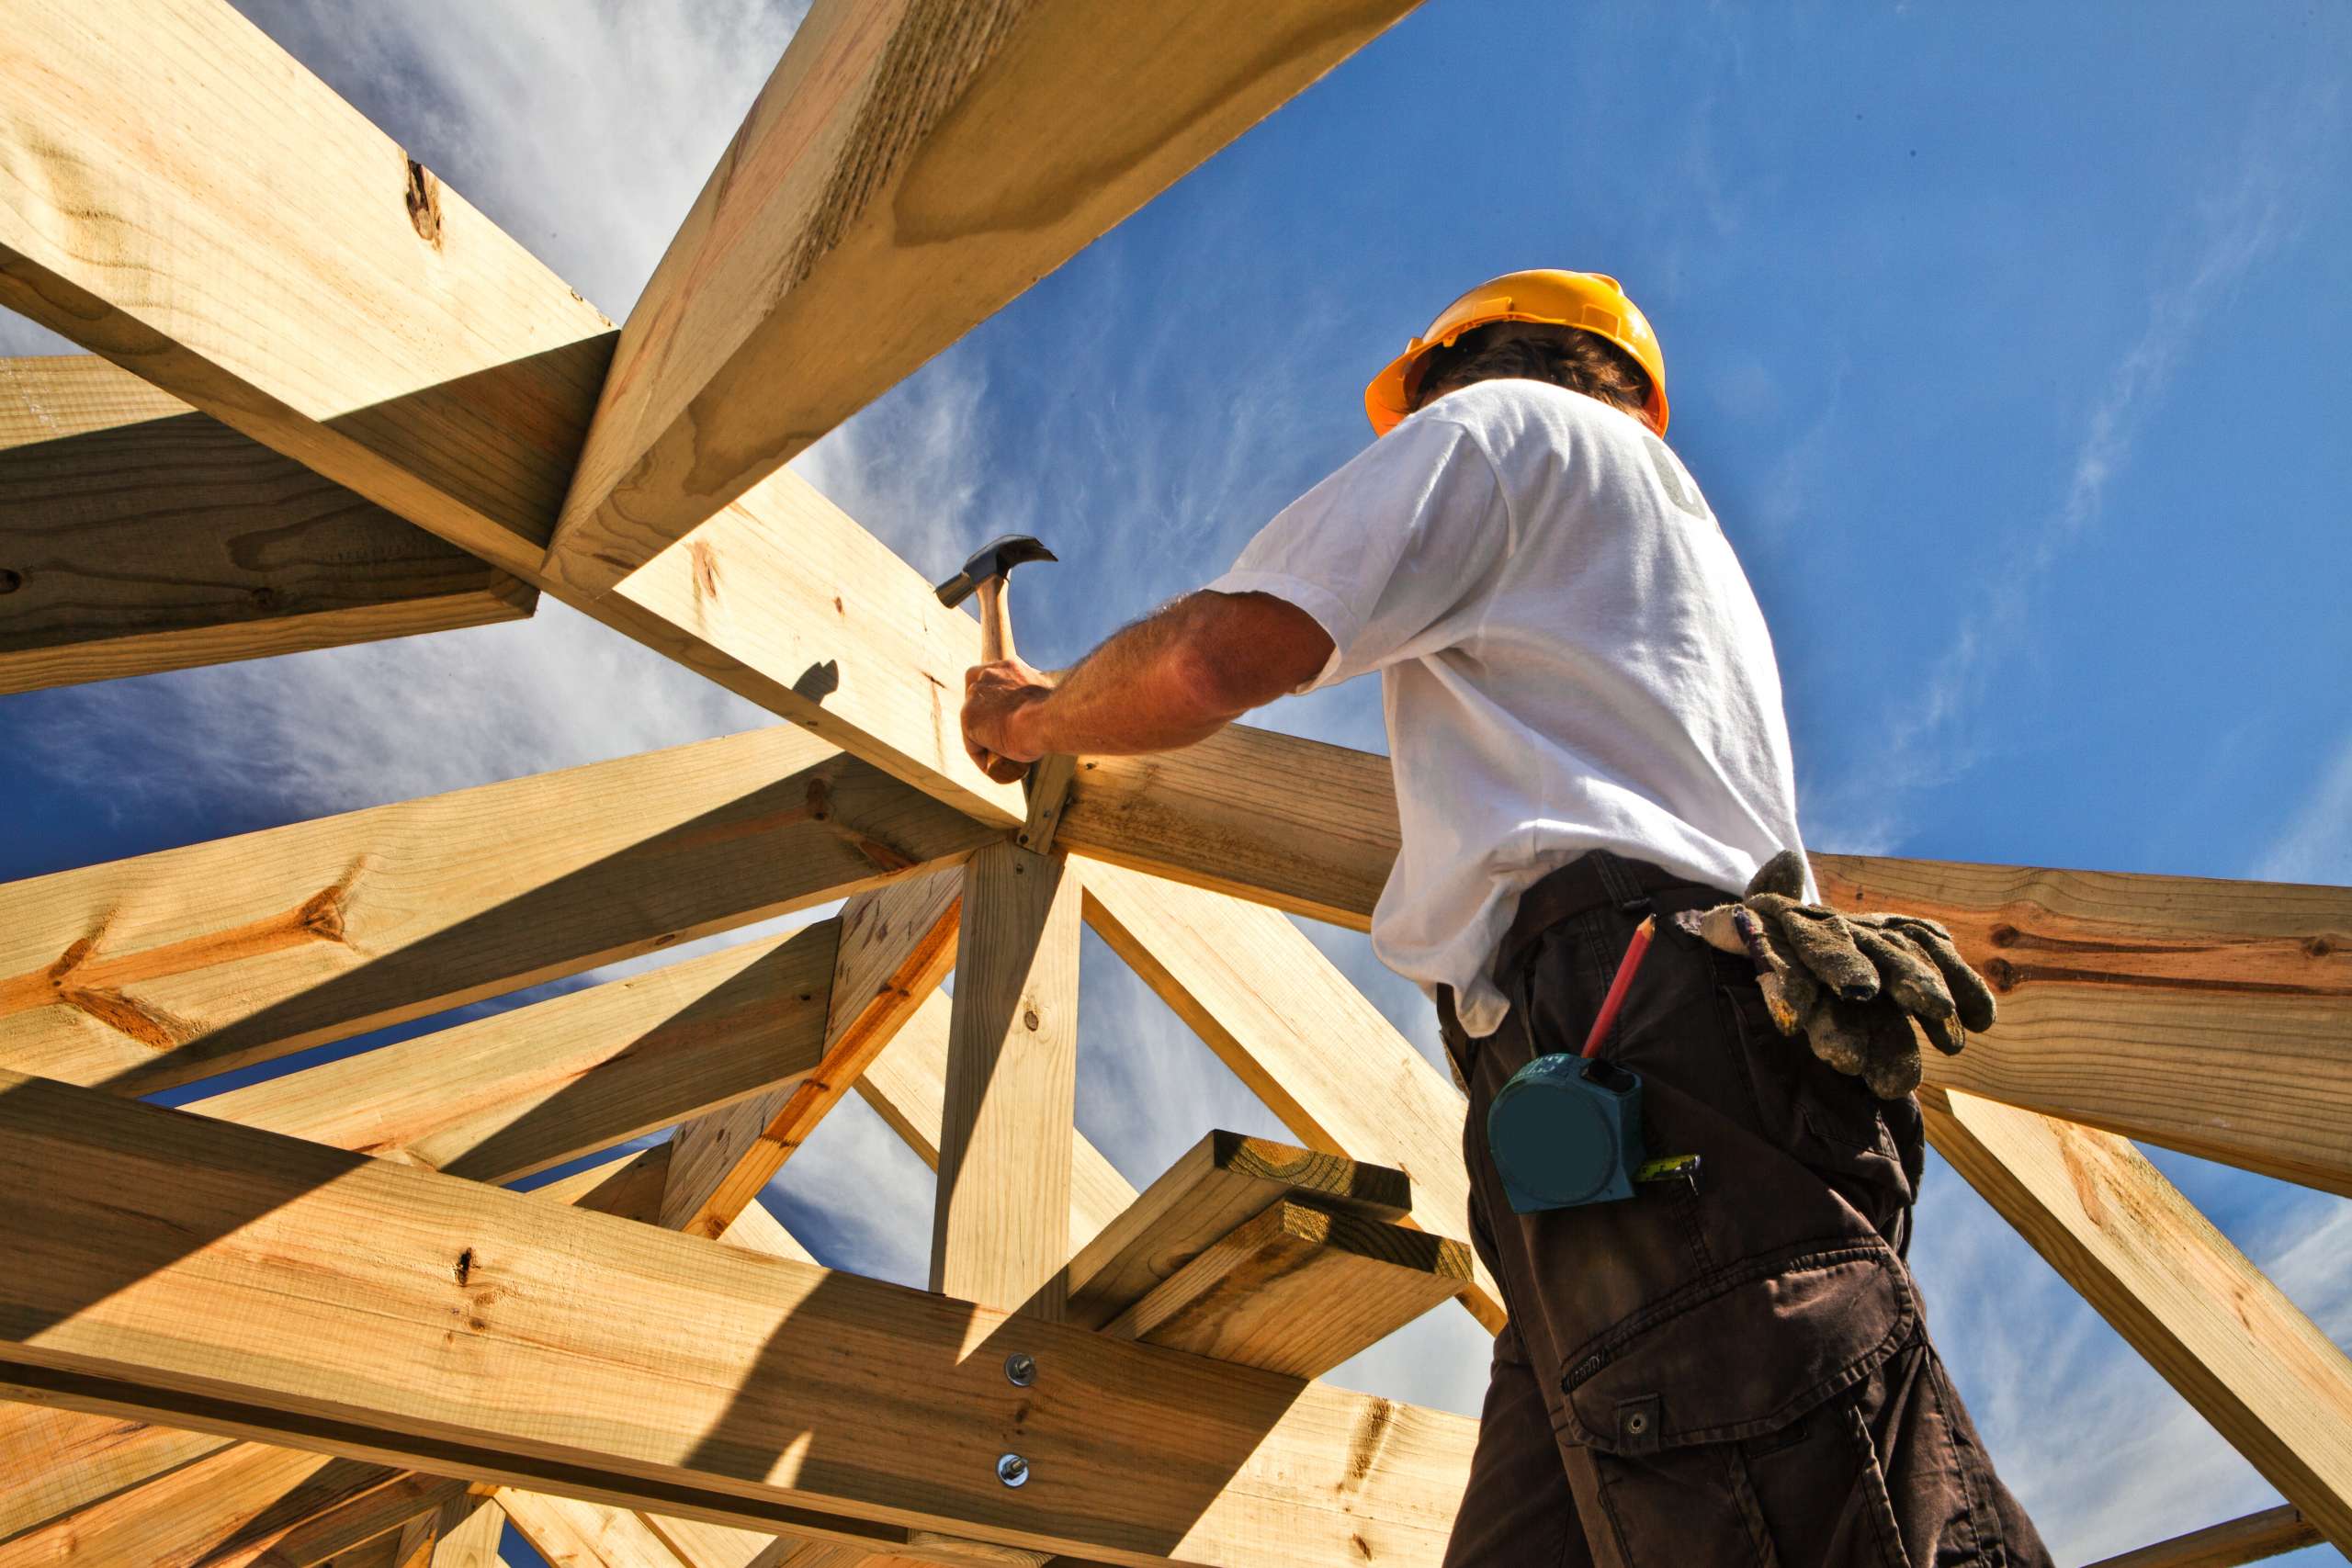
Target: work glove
x,y
1854,985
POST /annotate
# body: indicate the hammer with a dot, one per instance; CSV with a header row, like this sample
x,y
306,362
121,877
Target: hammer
x,y
985,574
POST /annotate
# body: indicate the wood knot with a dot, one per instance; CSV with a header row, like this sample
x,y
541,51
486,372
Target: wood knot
x,y
2319,946
465,1265
1029,1019
265,597
2003,935
424,199
10,580
2002,974
819,800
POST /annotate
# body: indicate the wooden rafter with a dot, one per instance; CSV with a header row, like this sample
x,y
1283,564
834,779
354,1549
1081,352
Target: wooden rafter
x,y
895,944
2249,1539
797,1390
2172,1286
156,970
910,167
137,534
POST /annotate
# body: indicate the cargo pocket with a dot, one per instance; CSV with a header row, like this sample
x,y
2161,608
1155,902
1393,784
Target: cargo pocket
x,y
1827,1120
1740,1353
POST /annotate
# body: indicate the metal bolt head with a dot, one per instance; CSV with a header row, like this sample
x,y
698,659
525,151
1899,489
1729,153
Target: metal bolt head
x,y
1021,1369
1012,1470
1637,1424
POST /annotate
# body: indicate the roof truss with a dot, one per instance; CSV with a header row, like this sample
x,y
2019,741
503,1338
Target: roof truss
x,y
343,352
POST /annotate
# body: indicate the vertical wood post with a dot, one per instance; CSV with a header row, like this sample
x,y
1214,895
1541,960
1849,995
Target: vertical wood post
x,y
1000,1233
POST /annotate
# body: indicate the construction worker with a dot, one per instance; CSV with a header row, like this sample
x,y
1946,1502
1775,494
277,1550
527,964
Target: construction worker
x,y
1585,719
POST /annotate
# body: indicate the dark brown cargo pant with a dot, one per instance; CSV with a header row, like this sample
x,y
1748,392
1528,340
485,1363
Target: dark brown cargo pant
x,y
1733,1370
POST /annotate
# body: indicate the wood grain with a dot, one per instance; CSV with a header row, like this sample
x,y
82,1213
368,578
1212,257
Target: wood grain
x,y
907,1086
2172,1286
1221,1182
2249,1539
910,167
1001,1225
153,971
1325,1062
798,1389
572,1534
1298,1290
137,534
895,944
509,1095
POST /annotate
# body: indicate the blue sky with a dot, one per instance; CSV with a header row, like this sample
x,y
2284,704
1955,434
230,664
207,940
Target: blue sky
x,y
2009,344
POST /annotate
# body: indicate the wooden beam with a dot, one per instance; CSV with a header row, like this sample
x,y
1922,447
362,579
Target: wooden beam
x,y
1221,1182
180,195
1298,1290
466,1533
907,1086
804,1399
137,534
1306,1040
2124,997
2205,1016
895,944
1001,1227
572,1534
509,1095
165,968
61,1462
907,171
247,1504
2249,1539
2172,1286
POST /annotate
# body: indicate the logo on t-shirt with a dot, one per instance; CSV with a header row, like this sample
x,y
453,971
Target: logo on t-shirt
x,y
1678,485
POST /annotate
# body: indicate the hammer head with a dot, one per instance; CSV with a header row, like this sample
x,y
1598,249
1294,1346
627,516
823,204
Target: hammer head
x,y
995,558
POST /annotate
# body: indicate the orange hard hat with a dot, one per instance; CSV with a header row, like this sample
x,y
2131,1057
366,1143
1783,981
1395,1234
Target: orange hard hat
x,y
1592,300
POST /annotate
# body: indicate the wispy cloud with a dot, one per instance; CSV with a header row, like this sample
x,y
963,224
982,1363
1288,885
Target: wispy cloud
x,y
2316,843
2252,209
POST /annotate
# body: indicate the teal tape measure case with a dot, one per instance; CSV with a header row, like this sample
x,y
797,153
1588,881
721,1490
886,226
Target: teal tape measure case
x,y
1566,1130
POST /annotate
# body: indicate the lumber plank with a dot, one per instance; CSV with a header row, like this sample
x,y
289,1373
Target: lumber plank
x,y
466,1533
1220,1183
572,1534
2172,1286
180,195
2226,1545
60,1462
1301,825
148,972
2206,1016
1000,1226
507,1096
137,534
1277,1012
2124,997
907,1086
909,167
1298,1290
852,1408
895,944
247,1504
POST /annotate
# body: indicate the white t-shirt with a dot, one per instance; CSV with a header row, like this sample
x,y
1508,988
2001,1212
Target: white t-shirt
x,y
1570,659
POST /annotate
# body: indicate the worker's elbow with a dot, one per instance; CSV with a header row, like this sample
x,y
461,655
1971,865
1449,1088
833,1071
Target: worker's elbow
x,y
1214,686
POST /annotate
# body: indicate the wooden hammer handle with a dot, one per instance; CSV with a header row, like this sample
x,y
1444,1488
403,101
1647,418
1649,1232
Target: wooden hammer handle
x,y
996,621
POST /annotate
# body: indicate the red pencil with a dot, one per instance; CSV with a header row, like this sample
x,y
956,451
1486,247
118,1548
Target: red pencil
x,y
1627,967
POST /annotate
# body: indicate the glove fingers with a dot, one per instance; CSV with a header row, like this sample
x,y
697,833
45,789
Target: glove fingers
x,y
1906,972
1783,874
1894,1069
1969,992
1943,1034
1822,943
1840,1035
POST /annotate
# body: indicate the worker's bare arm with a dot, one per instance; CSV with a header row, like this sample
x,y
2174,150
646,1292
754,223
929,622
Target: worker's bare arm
x,y
1173,677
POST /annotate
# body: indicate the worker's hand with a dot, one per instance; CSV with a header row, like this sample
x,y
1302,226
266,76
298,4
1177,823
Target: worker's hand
x,y
1000,704
1852,984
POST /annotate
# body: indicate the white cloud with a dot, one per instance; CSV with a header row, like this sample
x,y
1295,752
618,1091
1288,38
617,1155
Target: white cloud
x,y
2316,843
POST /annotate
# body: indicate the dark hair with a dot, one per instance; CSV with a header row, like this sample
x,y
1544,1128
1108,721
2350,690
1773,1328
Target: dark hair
x,y
1565,356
